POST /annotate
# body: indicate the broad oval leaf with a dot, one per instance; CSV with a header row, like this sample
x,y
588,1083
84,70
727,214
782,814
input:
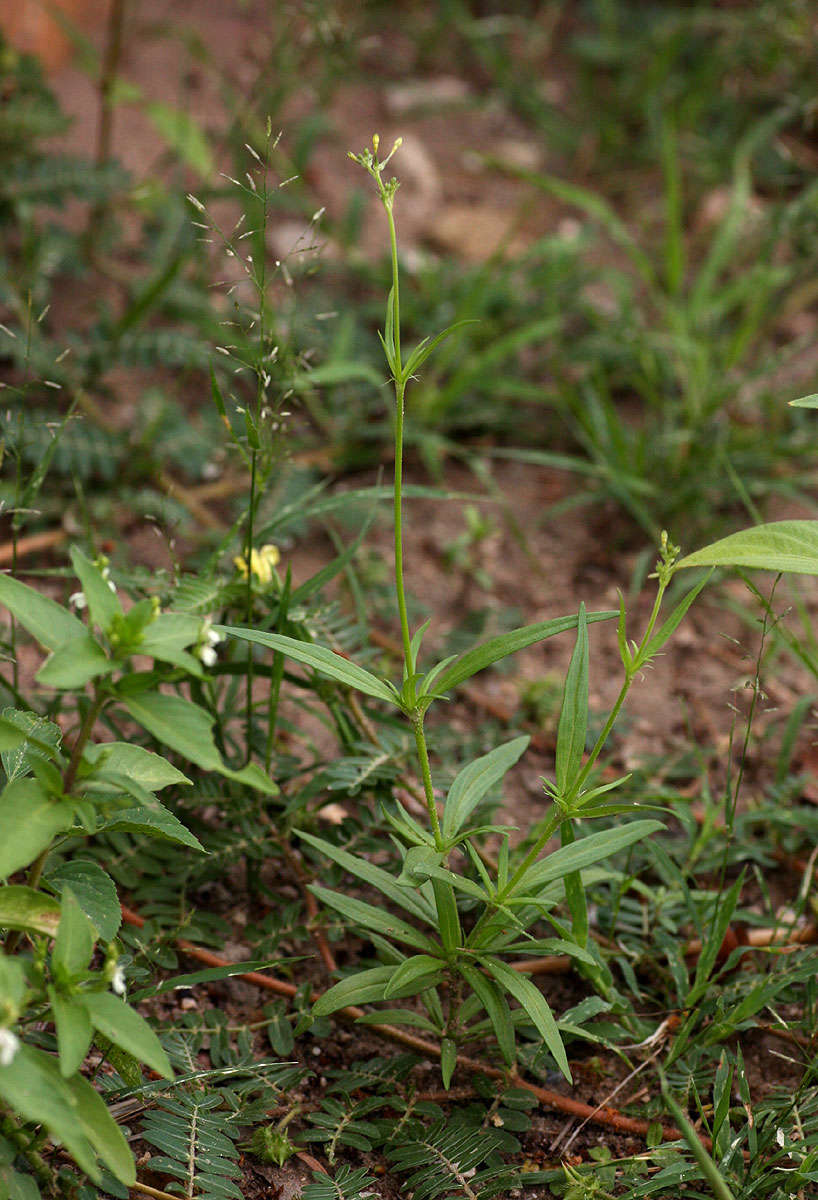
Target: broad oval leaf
x,y
102,1130
326,662
95,892
47,621
28,909
187,728
40,739
32,1087
30,819
149,770
74,663
779,546
152,821
74,1031
74,943
10,736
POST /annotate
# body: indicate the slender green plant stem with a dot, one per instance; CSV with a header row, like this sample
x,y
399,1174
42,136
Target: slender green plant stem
x,y
85,730
248,562
398,517
400,392
426,775
393,244
551,826
445,899
630,675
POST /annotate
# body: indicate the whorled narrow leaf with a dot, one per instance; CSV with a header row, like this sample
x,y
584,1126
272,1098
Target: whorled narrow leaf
x,y
414,975
326,662
573,723
529,996
575,892
493,999
406,898
422,351
364,987
669,627
376,919
508,643
475,779
585,852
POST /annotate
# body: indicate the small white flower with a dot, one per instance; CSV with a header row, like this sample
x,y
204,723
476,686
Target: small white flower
x,y
9,1045
112,585
77,600
118,981
208,640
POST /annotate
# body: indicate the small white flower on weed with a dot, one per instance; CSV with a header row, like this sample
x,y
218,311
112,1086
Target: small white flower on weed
x,y
9,1045
77,600
208,640
106,575
780,1137
118,981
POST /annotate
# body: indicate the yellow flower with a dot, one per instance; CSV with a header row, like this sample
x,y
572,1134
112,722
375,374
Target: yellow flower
x,y
262,563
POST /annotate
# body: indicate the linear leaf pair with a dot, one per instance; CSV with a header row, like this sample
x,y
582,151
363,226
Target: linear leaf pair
x,y
334,666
